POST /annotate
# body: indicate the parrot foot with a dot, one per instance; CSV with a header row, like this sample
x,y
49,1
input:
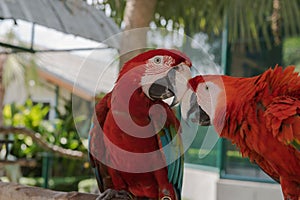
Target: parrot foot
x,y
111,194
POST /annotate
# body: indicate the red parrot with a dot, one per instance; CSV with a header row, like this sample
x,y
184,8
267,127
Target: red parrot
x,y
135,144
260,114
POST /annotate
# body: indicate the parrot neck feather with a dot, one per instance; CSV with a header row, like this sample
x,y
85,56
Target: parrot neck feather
x,y
238,93
257,92
254,118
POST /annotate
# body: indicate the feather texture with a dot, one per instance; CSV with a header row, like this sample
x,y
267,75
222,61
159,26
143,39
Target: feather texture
x,y
263,119
122,152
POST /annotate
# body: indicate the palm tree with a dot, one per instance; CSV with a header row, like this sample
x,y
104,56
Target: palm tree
x,y
249,21
19,68
137,14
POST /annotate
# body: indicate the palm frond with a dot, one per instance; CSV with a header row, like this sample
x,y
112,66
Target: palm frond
x,y
249,22
19,68
13,71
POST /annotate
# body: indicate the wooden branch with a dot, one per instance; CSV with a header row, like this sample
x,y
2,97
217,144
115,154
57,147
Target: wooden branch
x,y
22,162
41,142
12,191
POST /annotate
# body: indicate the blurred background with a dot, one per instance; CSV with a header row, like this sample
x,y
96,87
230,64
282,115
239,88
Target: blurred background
x,y
58,56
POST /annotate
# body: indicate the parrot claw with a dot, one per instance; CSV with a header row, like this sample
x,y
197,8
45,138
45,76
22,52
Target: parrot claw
x,y
111,194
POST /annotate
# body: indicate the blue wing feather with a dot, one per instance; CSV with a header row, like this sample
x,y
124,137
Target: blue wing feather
x,y
91,160
175,169
166,139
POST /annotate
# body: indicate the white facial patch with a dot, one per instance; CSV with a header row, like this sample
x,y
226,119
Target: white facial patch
x,y
186,103
156,68
183,74
158,65
207,97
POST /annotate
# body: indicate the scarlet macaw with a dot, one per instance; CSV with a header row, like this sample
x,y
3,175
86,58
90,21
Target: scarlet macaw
x,y
135,143
261,115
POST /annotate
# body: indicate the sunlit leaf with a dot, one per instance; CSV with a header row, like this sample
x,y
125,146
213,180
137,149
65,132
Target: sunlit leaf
x,y
28,141
74,144
7,111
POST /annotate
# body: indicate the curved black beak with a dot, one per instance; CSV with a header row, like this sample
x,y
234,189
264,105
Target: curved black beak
x,y
204,119
195,113
164,88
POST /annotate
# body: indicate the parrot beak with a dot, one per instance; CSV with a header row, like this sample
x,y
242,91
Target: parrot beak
x,y
162,88
191,111
172,85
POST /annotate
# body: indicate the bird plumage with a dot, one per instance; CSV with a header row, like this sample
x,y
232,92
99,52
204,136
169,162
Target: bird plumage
x,y
147,162
261,115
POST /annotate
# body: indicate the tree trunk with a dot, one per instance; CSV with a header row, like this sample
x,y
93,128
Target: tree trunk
x,y
137,16
275,22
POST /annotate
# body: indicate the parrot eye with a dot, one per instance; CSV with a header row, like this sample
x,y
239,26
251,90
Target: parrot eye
x,y
157,60
206,87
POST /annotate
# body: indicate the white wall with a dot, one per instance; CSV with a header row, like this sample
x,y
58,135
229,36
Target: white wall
x,y
199,184
246,190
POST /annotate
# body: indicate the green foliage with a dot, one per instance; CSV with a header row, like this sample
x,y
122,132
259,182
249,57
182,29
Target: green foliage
x,y
32,117
113,8
66,132
61,132
291,52
247,21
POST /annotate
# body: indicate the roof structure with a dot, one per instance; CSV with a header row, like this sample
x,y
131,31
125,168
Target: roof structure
x,y
84,77
74,17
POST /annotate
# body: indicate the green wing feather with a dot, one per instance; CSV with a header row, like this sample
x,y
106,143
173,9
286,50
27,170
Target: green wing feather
x,y
173,153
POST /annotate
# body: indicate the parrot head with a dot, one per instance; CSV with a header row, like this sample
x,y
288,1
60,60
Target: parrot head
x,y
163,73
204,99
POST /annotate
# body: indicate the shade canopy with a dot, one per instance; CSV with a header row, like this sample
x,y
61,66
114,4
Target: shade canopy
x,y
74,17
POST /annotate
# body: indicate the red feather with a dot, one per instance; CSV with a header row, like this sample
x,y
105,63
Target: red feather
x,y
263,120
107,149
